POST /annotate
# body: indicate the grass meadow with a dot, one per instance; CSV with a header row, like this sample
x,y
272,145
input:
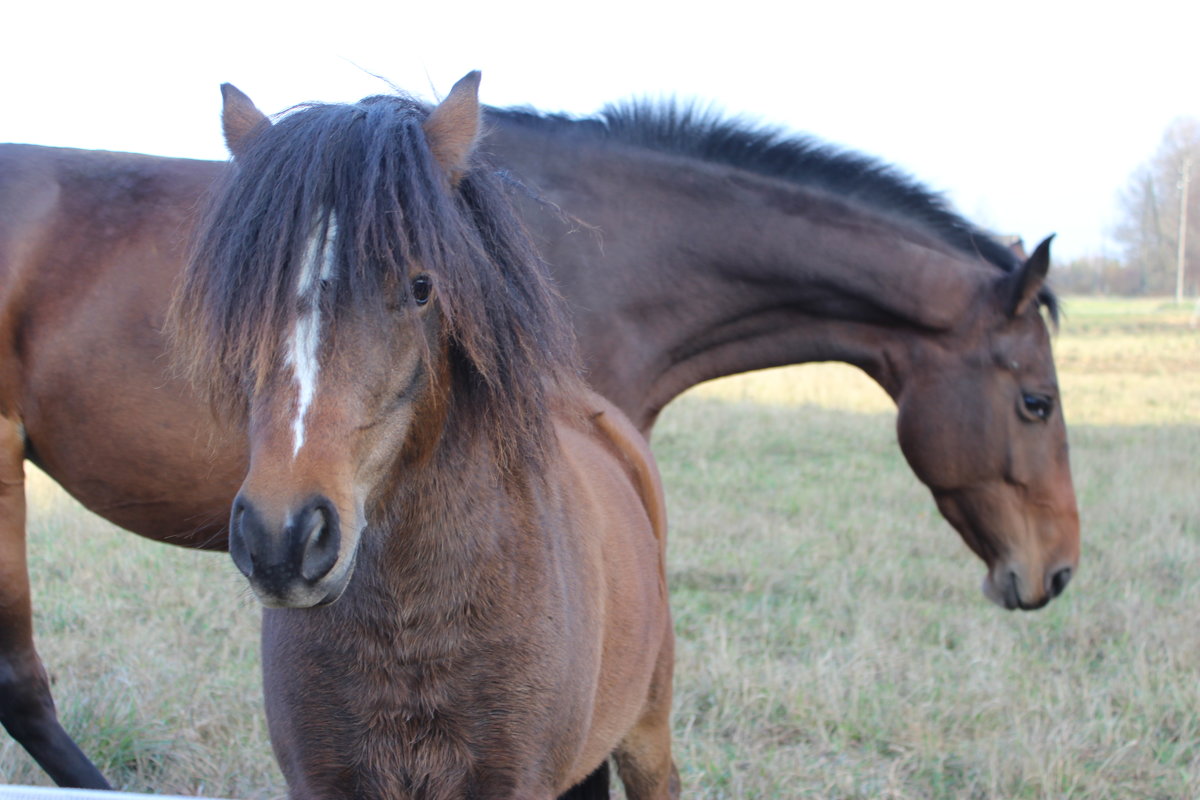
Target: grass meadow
x,y
833,642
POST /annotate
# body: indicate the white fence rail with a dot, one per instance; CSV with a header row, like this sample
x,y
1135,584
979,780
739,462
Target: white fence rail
x,y
43,793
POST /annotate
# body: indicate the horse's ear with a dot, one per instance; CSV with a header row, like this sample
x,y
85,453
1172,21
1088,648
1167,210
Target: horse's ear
x,y
1024,284
453,128
240,119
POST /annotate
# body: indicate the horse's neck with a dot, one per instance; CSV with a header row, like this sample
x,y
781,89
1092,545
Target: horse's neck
x,y
680,271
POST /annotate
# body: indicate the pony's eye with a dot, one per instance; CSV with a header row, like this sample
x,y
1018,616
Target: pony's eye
x,y
422,286
1036,406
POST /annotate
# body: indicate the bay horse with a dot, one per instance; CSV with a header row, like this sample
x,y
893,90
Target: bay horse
x,y
364,304
687,246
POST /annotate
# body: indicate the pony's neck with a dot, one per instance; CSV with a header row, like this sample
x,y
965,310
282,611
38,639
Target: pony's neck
x,y
392,667
433,551
747,272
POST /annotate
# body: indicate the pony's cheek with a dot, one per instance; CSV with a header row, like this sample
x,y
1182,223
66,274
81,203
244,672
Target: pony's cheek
x,y
380,450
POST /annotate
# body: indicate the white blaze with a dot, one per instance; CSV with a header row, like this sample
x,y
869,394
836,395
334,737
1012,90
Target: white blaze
x,y
304,345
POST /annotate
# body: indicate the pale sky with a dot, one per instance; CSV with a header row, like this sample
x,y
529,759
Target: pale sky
x,y
1029,116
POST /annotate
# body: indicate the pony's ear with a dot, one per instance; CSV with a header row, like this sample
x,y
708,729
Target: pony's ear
x,y
1022,286
240,119
453,128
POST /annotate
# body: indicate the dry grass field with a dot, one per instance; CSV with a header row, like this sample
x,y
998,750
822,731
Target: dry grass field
x,y
833,642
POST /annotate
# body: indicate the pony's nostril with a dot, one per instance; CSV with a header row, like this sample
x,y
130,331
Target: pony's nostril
x,y
240,518
321,542
1059,581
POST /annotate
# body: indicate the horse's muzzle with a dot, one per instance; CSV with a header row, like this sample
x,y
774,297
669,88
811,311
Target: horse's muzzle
x,y
1004,588
288,564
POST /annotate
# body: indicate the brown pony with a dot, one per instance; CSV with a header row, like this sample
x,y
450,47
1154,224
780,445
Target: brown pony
x,y
460,546
687,247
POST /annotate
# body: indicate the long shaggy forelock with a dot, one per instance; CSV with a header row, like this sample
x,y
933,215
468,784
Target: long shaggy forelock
x,y
368,166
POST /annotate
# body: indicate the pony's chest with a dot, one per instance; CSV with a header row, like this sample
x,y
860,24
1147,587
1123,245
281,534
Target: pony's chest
x,y
454,729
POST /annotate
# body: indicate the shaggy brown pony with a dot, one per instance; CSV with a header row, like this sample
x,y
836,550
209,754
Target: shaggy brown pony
x,y
460,547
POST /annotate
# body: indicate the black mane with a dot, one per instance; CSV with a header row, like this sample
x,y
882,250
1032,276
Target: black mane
x,y
696,131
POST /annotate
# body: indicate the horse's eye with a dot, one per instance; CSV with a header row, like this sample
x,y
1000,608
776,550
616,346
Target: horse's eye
x,y
422,286
1036,406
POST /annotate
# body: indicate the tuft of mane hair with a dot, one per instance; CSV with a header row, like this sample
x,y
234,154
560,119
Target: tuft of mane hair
x,y
695,130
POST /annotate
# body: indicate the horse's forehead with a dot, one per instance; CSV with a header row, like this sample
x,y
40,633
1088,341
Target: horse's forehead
x,y
1022,344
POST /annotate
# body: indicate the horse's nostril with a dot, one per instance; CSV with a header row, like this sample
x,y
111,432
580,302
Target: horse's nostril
x,y
1059,581
1012,594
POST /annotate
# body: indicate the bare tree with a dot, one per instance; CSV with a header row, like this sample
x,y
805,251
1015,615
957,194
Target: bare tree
x,y
1160,226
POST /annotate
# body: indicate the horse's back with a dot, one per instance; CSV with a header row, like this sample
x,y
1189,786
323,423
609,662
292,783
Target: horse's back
x,y
28,196
83,230
29,206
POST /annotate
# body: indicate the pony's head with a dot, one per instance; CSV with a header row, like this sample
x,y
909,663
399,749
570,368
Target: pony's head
x,y
360,296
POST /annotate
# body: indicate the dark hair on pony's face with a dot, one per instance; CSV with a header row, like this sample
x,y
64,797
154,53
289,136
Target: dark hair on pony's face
x,y
397,214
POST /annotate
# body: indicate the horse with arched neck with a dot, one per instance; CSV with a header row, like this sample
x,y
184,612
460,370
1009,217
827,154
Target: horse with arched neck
x,y
687,248
460,546
769,250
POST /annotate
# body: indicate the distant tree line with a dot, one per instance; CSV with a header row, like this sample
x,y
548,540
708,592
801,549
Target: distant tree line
x,y
1148,233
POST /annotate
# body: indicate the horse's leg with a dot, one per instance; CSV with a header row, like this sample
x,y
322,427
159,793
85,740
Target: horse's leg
x,y
26,707
644,755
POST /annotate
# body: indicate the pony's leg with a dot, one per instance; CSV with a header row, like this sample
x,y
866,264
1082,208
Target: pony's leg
x,y
644,756
593,787
26,707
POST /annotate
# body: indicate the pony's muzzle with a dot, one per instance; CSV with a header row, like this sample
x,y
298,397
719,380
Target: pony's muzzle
x,y
287,562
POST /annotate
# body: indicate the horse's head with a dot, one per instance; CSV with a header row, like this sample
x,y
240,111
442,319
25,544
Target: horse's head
x,y
981,423
351,383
